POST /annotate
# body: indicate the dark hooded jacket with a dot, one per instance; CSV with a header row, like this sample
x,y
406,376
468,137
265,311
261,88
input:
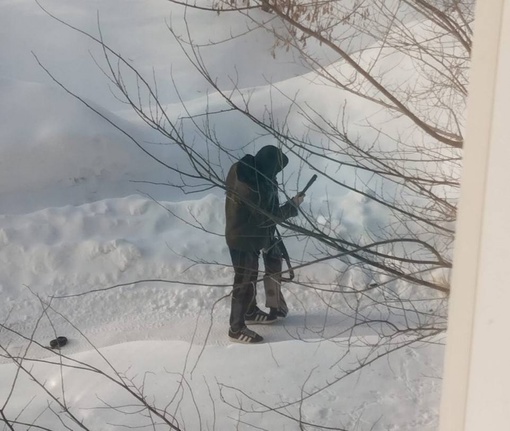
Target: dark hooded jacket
x,y
252,208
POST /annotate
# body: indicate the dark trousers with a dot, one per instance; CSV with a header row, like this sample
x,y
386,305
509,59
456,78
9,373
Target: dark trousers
x,y
244,292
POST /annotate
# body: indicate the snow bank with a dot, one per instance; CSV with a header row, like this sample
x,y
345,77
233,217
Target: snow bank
x,y
84,250
55,151
140,279
205,387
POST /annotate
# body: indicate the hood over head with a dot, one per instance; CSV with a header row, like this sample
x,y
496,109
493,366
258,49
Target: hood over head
x,y
270,160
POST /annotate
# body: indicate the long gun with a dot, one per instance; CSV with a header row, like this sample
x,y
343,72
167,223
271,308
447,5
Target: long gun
x,y
283,249
312,180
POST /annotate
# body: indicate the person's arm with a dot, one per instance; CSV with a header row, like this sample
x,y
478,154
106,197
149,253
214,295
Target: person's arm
x,y
290,208
250,195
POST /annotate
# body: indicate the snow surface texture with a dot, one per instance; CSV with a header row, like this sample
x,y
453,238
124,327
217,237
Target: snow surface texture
x,y
75,220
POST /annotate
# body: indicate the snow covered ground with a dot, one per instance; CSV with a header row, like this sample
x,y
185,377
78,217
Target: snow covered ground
x,y
136,275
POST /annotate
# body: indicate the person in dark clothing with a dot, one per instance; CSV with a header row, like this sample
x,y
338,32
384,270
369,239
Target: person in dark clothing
x,y
252,211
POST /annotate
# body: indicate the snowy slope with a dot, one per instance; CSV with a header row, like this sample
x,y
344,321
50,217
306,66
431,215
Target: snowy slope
x,y
73,250
393,396
152,325
54,151
145,281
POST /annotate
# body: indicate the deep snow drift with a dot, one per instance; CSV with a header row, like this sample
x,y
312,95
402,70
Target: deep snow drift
x,y
141,272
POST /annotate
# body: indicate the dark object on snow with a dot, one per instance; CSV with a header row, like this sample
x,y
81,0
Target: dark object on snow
x,y
58,342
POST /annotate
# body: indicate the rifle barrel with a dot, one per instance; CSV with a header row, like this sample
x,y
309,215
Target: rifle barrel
x,y
312,180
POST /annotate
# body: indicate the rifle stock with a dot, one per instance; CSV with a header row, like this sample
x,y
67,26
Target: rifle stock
x,y
283,249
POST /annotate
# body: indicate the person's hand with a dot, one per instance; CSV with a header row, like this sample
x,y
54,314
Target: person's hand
x,y
298,199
